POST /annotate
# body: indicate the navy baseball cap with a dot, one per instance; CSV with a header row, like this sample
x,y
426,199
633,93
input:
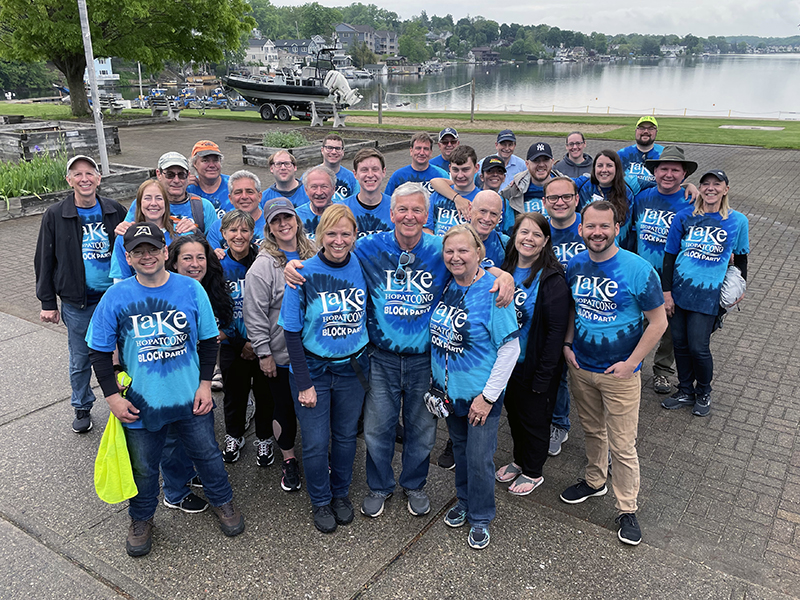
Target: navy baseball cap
x,y
540,149
448,131
718,173
506,136
143,233
278,206
493,162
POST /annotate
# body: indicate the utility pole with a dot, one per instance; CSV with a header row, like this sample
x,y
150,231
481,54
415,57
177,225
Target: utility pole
x,y
98,116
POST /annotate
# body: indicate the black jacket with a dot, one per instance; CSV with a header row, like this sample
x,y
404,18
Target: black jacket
x,y
59,258
544,355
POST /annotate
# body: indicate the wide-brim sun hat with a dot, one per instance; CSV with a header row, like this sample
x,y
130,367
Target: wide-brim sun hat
x,y
672,154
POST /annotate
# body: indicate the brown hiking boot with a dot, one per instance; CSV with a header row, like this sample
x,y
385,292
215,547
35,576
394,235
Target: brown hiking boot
x,y
140,537
231,520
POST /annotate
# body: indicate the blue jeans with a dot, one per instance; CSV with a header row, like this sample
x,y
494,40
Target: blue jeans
x,y
333,421
177,469
80,369
473,450
396,378
561,410
691,337
197,436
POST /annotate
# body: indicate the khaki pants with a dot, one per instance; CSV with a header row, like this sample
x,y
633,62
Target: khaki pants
x,y
608,408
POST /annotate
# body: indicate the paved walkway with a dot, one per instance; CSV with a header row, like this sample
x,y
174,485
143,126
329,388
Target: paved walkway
x,y
720,497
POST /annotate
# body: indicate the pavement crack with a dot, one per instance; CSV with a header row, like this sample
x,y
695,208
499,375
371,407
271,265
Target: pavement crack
x,y
402,552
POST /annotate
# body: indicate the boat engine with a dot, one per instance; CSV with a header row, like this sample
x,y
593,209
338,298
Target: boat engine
x,y
341,90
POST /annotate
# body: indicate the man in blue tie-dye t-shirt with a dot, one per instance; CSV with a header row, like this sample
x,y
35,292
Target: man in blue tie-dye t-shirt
x,y
72,262
164,328
613,291
371,208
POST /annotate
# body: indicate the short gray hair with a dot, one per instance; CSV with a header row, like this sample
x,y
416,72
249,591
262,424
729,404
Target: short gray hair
x,y
322,169
409,189
243,174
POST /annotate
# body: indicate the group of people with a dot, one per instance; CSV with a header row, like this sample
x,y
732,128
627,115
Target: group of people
x,y
463,286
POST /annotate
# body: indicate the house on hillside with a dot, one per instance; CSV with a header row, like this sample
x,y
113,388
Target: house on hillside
x,y
301,48
385,42
355,35
485,54
262,52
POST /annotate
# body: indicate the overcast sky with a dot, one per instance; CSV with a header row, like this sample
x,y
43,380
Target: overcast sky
x,y
766,18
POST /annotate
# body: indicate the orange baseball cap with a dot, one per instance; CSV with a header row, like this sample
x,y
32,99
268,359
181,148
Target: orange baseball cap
x,y
204,148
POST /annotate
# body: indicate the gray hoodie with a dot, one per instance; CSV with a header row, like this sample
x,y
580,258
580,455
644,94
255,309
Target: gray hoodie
x,y
566,166
263,295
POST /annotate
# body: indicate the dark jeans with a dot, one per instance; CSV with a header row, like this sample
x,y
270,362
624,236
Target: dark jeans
x,y
691,337
333,423
529,417
197,436
473,449
238,377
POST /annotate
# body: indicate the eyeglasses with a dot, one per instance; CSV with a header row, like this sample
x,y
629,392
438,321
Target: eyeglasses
x,y
334,148
173,174
575,144
642,128
556,197
400,273
282,164
137,253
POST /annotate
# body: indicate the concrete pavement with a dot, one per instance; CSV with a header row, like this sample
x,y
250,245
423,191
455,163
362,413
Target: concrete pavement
x,y
720,497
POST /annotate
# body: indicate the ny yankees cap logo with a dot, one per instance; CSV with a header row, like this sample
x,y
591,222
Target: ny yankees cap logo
x,y
540,147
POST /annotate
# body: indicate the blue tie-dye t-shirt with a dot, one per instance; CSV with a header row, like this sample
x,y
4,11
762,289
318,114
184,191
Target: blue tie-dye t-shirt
x,y
309,218
589,193
120,269
443,213
467,330
371,220
652,215
441,162
346,184
96,252
235,273
330,309
633,161
524,304
567,242
297,196
704,244
220,199
157,330
215,239
399,308
406,174
182,211
610,299
495,244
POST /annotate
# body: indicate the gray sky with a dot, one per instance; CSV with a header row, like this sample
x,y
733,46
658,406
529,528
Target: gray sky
x,y
767,18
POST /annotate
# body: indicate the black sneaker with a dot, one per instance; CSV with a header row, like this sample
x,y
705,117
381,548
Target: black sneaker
x,y
342,510
191,504
196,482
233,447
324,519
702,406
678,400
581,491
290,481
629,531
446,459
265,453
82,422
140,538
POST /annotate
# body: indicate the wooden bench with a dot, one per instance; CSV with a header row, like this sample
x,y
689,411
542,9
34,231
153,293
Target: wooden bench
x,y
111,104
160,105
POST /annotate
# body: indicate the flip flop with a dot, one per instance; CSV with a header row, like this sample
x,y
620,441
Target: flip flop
x,y
508,473
525,480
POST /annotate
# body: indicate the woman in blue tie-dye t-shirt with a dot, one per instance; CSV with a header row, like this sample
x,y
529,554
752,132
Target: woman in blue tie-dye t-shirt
x,y
700,243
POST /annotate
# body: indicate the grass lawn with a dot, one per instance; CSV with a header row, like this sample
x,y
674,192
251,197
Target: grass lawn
x,y
700,130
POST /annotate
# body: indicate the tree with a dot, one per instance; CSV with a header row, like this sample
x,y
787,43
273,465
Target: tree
x,y
15,75
319,20
362,55
412,43
690,41
150,31
650,47
741,47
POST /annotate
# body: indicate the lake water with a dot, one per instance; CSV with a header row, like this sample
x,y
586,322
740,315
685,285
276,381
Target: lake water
x,y
765,86
739,85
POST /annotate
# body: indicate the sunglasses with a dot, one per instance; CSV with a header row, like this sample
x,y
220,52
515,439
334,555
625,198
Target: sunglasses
x,y
400,273
173,174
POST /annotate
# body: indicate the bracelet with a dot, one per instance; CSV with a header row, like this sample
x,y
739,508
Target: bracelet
x,y
568,345
485,399
454,197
